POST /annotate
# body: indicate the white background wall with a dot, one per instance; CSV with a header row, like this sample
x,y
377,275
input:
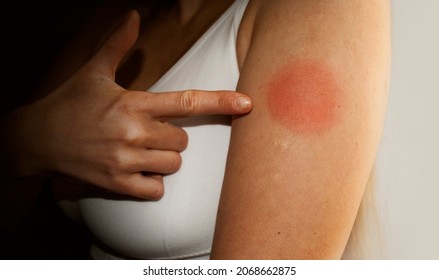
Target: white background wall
x,y
408,160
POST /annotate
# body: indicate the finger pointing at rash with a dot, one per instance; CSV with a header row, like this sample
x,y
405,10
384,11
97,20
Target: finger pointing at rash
x,y
196,103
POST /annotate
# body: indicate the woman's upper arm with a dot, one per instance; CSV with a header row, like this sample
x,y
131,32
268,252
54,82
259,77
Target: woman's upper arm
x,y
317,72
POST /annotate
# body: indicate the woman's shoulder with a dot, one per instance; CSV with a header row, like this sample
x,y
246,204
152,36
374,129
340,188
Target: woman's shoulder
x,y
257,16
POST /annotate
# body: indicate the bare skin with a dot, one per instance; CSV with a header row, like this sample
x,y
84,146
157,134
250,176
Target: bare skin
x,y
304,97
294,179
93,130
288,193
292,188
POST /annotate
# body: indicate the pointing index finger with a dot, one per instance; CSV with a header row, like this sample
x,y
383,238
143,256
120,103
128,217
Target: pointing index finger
x,y
188,103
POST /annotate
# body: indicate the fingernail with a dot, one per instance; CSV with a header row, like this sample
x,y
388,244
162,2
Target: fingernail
x,y
243,103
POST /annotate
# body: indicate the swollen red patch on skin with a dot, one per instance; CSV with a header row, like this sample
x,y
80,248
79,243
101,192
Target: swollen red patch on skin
x,y
303,96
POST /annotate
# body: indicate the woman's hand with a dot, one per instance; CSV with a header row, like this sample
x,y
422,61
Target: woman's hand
x,y
93,130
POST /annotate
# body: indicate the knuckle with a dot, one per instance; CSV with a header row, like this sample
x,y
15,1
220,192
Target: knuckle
x,y
176,138
188,101
131,132
118,162
156,192
118,183
129,102
122,102
175,162
150,189
135,134
123,186
182,140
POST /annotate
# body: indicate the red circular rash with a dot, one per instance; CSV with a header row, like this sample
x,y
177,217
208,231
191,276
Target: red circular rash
x,y
303,96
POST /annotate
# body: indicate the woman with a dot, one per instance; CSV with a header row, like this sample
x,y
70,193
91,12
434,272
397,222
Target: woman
x,y
297,165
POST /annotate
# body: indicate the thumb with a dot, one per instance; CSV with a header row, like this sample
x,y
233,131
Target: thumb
x,y
116,46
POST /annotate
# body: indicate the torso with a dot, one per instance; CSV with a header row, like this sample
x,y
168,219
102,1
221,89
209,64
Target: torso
x,y
163,40
181,224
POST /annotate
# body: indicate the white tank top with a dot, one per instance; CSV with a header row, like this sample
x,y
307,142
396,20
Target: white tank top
x,y
180,225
